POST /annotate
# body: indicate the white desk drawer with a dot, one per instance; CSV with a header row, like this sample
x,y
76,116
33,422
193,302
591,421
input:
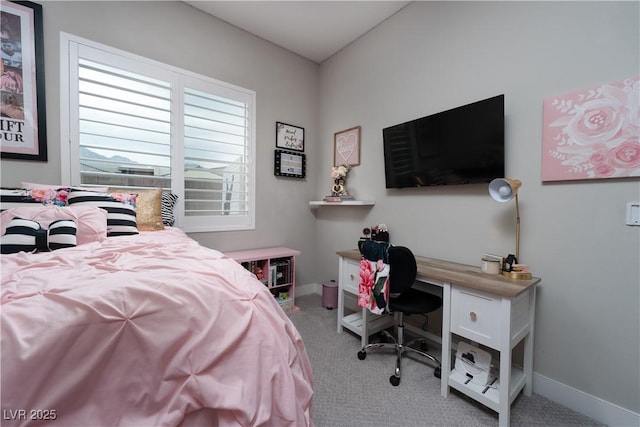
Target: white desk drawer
x,y
476,316
350,276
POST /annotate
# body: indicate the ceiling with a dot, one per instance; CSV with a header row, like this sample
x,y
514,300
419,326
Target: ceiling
x,y
312,29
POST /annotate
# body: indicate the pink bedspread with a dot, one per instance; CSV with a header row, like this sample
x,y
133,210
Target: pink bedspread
x,y
145,331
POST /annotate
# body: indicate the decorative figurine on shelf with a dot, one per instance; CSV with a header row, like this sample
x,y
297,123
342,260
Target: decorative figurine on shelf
x,y
339,175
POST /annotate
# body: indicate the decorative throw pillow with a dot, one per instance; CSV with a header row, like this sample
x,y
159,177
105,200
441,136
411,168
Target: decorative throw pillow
x,y
16,197
32,185
62,234
91,221
148,207
24,235
168,205
120,207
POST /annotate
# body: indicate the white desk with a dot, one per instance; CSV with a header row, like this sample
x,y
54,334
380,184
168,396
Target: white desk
x,y
492,310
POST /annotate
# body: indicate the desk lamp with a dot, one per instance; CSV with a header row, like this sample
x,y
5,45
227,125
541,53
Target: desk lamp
x,y
503,190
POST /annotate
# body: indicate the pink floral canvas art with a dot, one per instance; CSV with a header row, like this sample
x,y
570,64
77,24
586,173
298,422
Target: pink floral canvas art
x,y
592,133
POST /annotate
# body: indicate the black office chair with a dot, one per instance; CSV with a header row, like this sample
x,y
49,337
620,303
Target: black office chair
x,y
403,299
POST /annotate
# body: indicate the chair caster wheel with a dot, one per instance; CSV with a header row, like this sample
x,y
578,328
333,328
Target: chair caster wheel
x,y
394,380
362,355
437,372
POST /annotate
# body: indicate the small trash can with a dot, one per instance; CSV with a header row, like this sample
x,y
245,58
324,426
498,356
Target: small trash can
x,y
330,294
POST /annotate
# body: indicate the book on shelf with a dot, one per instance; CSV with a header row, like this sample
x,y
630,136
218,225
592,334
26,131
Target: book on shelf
x,y
255,268
273,272
337,198
283,272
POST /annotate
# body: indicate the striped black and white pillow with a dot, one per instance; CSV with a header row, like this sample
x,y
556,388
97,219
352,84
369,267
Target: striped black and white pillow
x,y
121,210
167,207
24,235
62,234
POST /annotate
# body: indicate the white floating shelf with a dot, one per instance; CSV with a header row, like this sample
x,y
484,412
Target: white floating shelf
x,y
315,203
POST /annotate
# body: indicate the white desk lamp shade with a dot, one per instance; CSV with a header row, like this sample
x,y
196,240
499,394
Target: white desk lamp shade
x,y
503,189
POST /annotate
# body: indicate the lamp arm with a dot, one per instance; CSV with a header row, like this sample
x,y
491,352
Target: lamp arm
x,y
517,230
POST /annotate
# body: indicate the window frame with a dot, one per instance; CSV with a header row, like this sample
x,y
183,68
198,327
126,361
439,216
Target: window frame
x,y
70,47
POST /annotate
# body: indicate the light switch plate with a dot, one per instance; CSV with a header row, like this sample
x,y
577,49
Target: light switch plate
x,y
633,213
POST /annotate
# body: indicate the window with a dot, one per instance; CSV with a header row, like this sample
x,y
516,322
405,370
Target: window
x,y
137,123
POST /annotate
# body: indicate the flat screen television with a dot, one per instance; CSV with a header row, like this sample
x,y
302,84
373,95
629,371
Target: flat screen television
x,y
464,145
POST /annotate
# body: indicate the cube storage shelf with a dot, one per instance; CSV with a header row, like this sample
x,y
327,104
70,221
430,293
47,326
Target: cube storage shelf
x,y
275,267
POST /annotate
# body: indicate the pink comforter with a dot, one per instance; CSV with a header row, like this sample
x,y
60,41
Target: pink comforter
x,y
146,330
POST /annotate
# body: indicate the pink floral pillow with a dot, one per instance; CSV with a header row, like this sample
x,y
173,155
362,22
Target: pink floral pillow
x,y
91,221
32,185
17,197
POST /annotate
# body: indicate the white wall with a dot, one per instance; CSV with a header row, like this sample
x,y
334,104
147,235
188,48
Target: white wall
x,y
429,57
180,35
432,56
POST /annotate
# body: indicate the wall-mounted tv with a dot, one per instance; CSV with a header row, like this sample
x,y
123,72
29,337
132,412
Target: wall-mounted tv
x,y
464,145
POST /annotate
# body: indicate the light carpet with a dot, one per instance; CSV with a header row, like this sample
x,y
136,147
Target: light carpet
x,y
350,392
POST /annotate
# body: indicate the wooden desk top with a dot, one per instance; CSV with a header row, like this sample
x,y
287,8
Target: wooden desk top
x,y
464,275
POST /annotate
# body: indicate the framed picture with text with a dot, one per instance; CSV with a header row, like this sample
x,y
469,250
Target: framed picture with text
x,y
289,137
291,164
23,133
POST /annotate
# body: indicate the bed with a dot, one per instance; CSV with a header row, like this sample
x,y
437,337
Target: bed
x,y
149,329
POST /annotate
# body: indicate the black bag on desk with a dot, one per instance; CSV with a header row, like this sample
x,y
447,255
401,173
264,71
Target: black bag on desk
x,y
373,251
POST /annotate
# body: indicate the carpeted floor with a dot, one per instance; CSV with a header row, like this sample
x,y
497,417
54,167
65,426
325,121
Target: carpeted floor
x,y
350,392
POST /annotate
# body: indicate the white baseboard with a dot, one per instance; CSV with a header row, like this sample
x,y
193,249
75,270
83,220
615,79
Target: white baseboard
x,y
586,404
308,289
579,401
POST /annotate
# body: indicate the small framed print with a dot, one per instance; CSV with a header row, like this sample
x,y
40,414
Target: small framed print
x,y
290,164
346,147
289,137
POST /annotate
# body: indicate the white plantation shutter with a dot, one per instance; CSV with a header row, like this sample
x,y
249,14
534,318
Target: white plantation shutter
x,y
124,127
217,154
137,123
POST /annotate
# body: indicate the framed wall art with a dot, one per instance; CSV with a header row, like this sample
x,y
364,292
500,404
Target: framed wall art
x,y
289,137
23,133
291,164
346,147
592,133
